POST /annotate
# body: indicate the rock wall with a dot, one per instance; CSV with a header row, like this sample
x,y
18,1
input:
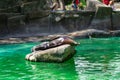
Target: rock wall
x,y
37,21
115,20
103,15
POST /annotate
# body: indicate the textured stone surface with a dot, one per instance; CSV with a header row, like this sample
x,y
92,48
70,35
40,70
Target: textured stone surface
x,y
94,4
33,21
88,33
57,54
103,15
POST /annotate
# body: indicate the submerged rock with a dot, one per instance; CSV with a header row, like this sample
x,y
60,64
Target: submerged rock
x,y
57,54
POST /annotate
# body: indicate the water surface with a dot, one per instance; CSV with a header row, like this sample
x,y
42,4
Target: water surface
x,y
96,59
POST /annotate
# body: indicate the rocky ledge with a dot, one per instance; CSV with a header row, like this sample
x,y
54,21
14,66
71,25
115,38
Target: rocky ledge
x,y
89,33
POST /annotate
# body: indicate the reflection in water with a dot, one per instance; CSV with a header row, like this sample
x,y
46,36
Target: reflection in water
x,y
96,59
53,71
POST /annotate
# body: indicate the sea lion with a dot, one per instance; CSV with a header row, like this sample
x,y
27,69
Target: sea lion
x,y
54,43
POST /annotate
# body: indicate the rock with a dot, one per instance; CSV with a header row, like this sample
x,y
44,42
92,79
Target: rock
x,y
99,8
57,54
38,14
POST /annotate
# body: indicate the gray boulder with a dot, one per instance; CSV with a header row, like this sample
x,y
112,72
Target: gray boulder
x,y
57,54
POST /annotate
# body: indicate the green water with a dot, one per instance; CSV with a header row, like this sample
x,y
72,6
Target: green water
x,y
96,59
